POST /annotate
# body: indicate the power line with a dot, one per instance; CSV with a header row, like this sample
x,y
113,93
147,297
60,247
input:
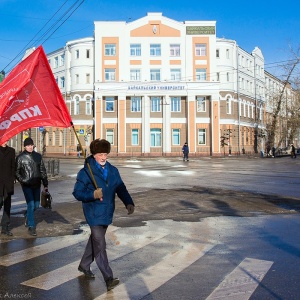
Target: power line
x,y
27,45
51,30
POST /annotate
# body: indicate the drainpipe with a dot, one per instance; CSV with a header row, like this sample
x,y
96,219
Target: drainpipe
x,y
238,98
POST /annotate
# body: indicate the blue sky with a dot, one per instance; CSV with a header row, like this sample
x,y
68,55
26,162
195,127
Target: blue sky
x,y
273,26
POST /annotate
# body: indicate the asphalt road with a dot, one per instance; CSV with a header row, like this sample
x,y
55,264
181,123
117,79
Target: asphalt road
x,y
222,228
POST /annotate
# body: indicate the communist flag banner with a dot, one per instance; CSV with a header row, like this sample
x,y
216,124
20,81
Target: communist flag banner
x,y
30,97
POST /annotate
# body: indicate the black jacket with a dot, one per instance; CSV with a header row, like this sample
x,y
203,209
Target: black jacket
x,y
30,169
7,167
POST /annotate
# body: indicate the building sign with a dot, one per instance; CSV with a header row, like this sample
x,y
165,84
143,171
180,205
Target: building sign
x,y
192,30
80,131
152,87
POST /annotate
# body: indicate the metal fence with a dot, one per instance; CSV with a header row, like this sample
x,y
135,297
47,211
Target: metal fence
x,y
52,166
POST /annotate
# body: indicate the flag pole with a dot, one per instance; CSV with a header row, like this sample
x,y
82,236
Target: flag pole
x,y
84,155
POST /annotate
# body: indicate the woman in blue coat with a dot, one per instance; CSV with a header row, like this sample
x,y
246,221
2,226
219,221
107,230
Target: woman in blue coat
x,y
96,185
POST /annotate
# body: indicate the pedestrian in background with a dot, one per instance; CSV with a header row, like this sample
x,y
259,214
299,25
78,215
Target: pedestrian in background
x,y
273,151
78,150
31,173
268,150
7,181
98,206
293,151
185,151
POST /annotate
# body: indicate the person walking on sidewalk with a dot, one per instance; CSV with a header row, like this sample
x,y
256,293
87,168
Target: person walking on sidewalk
x,y
293,151
31,173
185,151
7,181
78,151
98,207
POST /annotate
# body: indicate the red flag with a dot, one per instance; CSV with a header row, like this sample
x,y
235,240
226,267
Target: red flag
x,y
30,97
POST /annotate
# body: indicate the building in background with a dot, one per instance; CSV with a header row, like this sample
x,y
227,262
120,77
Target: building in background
x,y
151,85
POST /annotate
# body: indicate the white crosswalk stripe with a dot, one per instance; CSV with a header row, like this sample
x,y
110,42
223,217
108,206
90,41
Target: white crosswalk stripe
x,y
173,250
58,243
242,281
29,253
155,276
57,277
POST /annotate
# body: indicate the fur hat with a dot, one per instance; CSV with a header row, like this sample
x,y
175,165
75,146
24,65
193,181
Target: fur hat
x,y
100,146
28,141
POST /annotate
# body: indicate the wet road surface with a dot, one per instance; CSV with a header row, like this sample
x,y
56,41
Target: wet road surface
x,y
206,229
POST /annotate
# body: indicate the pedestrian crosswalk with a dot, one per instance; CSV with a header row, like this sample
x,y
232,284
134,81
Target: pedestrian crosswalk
x,y
148,257
59,276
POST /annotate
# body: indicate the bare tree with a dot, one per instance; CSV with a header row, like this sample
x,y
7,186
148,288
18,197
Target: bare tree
x,y
291,110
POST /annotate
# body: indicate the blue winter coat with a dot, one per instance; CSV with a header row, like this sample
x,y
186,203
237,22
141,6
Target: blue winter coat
x,y
95,211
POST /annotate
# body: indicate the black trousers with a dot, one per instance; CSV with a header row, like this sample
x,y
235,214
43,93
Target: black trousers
x,y
6,202
96,250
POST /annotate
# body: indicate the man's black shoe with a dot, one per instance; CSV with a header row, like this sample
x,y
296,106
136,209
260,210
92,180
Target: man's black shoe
x,y
32,231
111,283
6,231
87,273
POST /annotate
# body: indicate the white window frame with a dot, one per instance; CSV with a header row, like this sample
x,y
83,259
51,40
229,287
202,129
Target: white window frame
x,y
201,74
155,104
110,49
200,49
201,103
155,74
110,136
175,74
109,104
56,62
135,103
110,74
155,137
88,78
76,105
88,105
134,137
228,105
201,136
62,82
176,136
62,60
135,50
175,50
135,75
175,104
155,49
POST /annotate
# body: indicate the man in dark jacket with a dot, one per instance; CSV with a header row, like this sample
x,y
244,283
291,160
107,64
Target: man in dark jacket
x,y
96,186
293,151
7,180
31,173
185,151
